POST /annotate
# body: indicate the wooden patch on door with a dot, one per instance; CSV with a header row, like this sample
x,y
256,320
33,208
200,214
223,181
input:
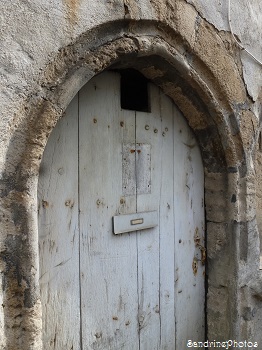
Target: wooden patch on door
x,y
136,169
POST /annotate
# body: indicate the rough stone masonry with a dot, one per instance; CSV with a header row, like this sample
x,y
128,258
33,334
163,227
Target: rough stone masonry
x,y
206,56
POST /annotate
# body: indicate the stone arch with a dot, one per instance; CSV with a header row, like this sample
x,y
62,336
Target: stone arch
x,y
194,81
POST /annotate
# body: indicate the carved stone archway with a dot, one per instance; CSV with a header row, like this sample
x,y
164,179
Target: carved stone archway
x,y
211,106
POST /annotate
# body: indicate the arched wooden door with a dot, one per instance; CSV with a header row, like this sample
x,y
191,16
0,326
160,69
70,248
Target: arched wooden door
x,y
108,170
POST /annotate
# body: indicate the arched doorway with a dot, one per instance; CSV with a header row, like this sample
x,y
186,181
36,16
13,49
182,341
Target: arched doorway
x,y
137,284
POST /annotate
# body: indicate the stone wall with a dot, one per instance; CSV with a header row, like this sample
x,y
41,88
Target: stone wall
x,y
49,50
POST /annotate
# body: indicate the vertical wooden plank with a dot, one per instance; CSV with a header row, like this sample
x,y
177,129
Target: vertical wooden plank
x,y
189,223
59,236
148,132
108,261
167,234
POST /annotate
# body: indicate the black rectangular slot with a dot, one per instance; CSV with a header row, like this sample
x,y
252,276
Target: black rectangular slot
x,y
134,91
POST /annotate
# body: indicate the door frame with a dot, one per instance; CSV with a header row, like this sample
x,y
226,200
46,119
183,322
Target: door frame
x,y
207,104
176,144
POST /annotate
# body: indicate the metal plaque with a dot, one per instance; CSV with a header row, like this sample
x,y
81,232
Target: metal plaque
x,y
136,169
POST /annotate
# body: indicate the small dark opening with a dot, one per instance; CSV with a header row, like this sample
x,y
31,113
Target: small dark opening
x,y
134,91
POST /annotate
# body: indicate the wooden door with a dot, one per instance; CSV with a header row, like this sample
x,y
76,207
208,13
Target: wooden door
x,y
142,289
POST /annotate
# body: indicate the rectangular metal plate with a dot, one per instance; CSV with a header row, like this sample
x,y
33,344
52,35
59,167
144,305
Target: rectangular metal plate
x,y
143,168
134,222
136,168
129,169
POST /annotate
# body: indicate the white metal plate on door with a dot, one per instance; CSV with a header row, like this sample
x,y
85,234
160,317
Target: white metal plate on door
x,y
135,222
143,168
136,168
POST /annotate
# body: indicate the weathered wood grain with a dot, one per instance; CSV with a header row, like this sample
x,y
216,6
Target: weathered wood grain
x,y
108,263
140,290
189,223
59,235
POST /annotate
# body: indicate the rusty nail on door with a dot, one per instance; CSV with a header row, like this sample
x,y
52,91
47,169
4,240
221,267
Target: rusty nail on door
x,y
147,127
44,204
155,131
194,266
196,237
156,309
203,255
141,321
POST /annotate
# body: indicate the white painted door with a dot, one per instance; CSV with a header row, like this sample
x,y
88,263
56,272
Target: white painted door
x,y
137,290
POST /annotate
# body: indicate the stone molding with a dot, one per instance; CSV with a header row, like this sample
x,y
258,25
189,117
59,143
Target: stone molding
x,y
204,82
